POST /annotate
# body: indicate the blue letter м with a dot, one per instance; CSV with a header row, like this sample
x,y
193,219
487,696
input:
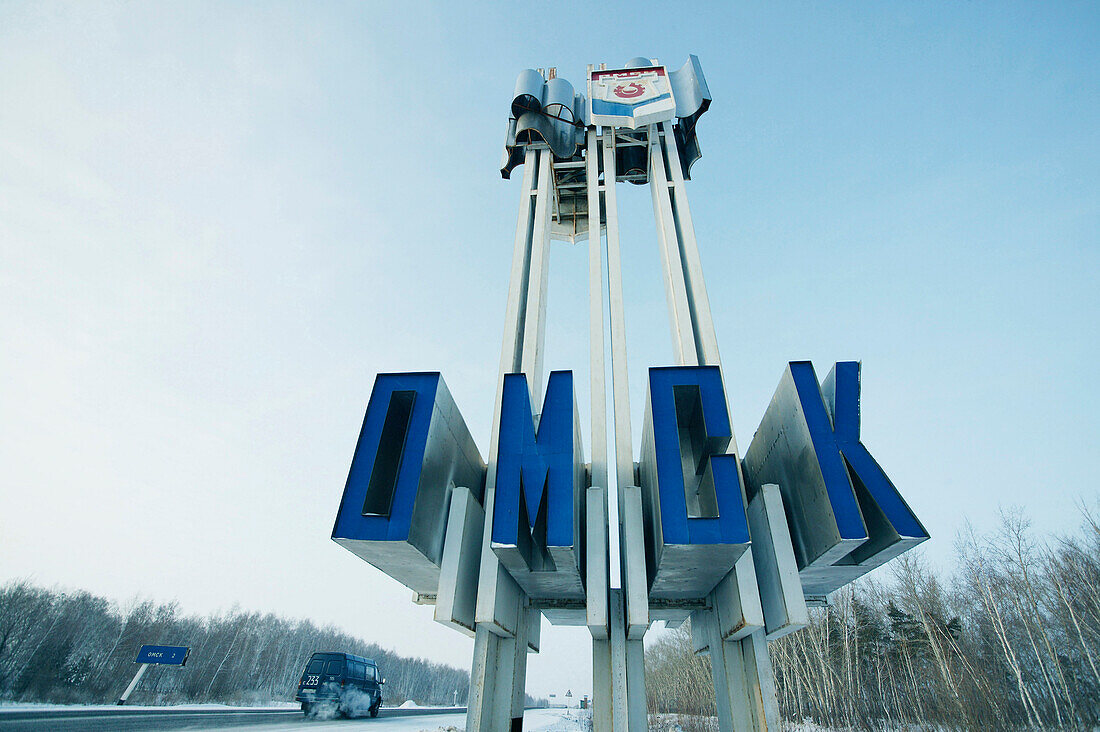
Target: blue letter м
x,y
540,475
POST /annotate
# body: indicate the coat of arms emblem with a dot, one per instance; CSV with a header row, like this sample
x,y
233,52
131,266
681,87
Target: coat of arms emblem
x,y
633,97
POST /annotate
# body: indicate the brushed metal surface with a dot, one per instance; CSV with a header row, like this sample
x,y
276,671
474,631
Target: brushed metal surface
x,y
456,599
434,453
844,515
597,535
689,87
781,594
543,112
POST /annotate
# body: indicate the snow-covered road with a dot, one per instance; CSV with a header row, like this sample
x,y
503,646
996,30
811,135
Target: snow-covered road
x,y
110,718
534,720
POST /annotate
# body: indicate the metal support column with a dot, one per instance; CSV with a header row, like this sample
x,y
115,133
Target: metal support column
x,y
615,706
597,558
633,598
742,672
504,620
610,707
683,332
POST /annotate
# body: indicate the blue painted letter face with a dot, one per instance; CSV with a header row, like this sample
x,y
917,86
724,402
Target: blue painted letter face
x,y
692,501
841,392
414,448
539,485
846,517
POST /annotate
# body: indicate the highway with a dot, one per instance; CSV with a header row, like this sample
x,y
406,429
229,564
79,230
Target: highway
x,y
109,719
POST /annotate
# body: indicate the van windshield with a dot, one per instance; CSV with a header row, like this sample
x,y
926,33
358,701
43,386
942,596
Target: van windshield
x,y
334,667
315,666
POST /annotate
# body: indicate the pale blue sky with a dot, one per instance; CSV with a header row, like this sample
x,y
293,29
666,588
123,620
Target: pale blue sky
x,y
219,221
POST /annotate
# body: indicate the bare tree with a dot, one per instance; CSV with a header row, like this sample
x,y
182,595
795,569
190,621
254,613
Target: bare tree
x,y
1010,641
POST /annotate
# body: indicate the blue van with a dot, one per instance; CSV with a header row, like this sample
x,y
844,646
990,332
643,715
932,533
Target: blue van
x,y
346,685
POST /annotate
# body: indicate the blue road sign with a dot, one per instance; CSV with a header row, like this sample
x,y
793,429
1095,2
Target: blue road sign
x,y
169,655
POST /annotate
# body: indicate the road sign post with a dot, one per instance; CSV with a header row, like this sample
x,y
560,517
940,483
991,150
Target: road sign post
x,y
133,684
154,655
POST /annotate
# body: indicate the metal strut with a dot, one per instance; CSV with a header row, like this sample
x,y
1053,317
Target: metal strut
x,y
506,624
744,684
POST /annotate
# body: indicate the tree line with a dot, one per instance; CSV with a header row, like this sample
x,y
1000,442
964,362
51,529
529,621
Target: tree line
x,y
76,647
1010,640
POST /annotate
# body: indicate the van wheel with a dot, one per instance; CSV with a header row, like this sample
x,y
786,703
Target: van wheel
x,y
307,708
375,708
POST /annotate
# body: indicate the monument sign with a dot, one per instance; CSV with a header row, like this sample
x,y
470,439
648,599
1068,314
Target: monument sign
x,y
740,544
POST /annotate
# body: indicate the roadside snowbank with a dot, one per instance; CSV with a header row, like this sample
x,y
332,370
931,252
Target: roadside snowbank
x,y
38,707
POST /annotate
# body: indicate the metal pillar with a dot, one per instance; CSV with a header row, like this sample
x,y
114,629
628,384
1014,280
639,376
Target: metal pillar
x,y
505,621
741,667
618,668
610,706
608,640
598,569
617,620
635,598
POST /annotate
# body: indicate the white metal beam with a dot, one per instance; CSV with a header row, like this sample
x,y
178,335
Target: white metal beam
x,y
502,616
620,682
456,596
733,626
620,385
534,328
683,334
632,570
698,302
597,557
